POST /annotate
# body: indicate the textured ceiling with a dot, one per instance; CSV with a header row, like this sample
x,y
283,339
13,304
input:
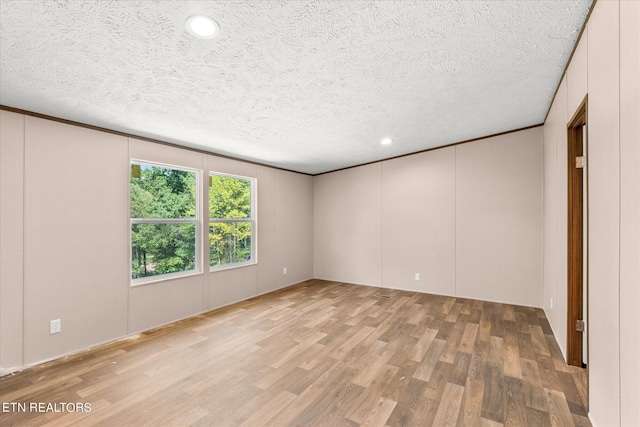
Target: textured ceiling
x,y
310,86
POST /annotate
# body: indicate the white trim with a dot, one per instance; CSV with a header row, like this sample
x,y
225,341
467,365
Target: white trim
x,y
163,165
231,266
164,220
163,277
196,221
229,220
252,220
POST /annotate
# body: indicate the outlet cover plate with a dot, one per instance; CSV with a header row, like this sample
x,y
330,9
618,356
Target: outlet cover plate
x,y
55,326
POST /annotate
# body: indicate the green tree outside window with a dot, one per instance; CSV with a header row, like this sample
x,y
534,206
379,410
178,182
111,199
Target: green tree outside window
x,y
231,222
163,213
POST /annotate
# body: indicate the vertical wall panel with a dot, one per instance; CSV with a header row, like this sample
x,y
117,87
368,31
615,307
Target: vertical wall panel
x,y
347,229
577,74
267,279
166,154
499,218
418,222
162,302
295,227
11,243
562,206
629,212
550,219
604,214
76,254
232,285
233,167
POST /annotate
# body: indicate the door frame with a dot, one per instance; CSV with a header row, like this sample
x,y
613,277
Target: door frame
x,y
577,222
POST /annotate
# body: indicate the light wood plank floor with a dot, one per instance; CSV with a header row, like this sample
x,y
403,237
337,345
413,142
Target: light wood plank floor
x,y
320,353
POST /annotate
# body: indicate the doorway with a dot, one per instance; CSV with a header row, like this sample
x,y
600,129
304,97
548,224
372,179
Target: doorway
x,y
577,234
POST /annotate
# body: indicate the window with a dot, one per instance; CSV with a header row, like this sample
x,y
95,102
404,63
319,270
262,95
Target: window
x,y
165,225
231,221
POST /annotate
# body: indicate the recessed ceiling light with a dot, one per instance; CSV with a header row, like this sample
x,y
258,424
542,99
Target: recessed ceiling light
x,y
202,27
386,141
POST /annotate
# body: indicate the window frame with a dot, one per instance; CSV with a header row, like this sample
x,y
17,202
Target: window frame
x,y
252,220
196,220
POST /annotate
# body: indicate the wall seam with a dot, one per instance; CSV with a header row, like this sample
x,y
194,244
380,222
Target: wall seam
x,y
204,221
542,222
128,281
278,231
587,50
313,220
455,221
382,225
24,239
620,346
556,236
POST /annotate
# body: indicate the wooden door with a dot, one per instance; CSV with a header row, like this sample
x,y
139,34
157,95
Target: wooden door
x,y
576,259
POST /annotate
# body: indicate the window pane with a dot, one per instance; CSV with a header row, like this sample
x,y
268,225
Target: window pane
x,y
229,243
159,192
229,197
162,248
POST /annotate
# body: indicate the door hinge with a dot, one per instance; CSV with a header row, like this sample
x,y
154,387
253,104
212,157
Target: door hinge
x,y
580,325
580,162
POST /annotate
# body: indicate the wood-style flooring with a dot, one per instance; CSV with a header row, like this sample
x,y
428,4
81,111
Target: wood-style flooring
x,y
319,354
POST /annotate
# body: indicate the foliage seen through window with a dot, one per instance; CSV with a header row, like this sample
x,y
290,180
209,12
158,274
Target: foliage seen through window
x,y
163,220
231,224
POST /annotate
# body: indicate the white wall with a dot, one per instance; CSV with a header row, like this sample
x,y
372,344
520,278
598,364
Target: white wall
x,y
347,225
418,222
295,225
65,239
551,259
603,86
499,218
467,218
76,252
11,239
606,67
629,213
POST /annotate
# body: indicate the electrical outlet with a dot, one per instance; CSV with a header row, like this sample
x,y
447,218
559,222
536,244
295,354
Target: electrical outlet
x,y
55,326
417,276
551,303
284,271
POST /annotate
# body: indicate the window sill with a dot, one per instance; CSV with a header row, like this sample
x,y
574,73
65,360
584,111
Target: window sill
x,y
149,280
232,266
